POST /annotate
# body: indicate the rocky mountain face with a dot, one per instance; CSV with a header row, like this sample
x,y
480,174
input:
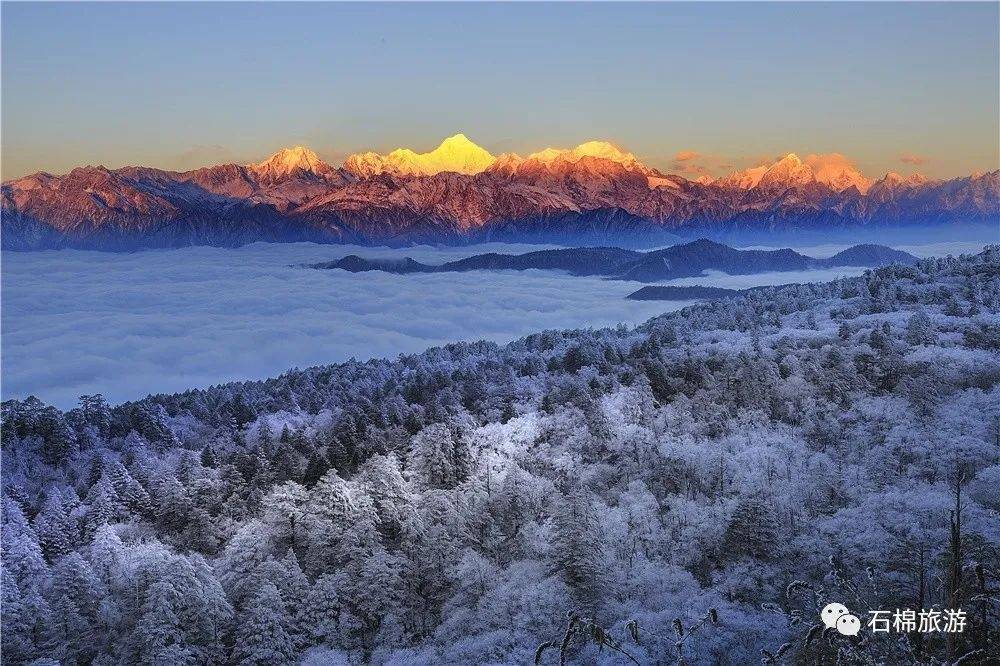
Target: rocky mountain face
x,y
459,192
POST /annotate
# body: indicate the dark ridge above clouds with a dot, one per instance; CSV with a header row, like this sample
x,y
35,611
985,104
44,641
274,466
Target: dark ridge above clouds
x,y
693,293
679,261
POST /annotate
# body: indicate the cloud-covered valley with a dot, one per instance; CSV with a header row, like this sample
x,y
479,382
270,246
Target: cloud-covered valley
x,y
125,325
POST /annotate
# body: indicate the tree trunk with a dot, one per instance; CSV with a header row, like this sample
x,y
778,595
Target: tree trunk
x,y
955,573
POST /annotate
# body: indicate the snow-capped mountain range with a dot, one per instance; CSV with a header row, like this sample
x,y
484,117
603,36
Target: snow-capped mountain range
x,y
460,192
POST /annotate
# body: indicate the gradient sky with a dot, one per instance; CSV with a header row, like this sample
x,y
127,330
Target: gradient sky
x,y
904,87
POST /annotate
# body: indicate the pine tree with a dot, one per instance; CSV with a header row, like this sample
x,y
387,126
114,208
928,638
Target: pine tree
x,y
107,556
103,506
368,580
68,632
316,467
96,413
56,530
73,578
238,565
578,549
265,437
283,512
159,632
429,548
22,556
382,480
96,469
321,611
287,576
135,445
16,640
753,529
187,468
207,457
327,514
172,504
206,611
261,631
131,493
432,456
59,441
920,329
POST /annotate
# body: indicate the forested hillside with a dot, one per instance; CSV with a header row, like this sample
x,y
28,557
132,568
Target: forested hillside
x,y
743,460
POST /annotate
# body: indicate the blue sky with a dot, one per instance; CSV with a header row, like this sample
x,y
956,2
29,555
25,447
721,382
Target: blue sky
x,y
181,85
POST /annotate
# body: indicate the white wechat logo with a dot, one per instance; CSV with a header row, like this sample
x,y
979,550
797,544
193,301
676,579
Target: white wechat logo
x,y
849,625
832,613
836,616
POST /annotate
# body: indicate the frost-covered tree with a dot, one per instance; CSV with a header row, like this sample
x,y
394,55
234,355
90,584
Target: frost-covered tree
x,y
578,548
432,457
368,583
16,636
262,637
22,556
68,634
321,611
753,529
920,329
56,529
159,632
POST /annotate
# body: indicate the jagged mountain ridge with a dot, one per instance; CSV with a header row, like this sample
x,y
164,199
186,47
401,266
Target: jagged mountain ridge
x,y
459,192
678,261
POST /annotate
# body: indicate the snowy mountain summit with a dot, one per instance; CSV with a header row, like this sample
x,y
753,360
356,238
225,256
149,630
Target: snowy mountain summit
x,y
290,162
833,170
455,154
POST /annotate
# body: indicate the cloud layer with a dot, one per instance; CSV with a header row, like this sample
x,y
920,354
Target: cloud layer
x,y
161,321
129,324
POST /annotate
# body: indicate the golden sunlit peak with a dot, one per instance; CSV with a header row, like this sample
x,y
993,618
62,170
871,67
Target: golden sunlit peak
x,y
458,140
604,149
456,154
288,160
838,172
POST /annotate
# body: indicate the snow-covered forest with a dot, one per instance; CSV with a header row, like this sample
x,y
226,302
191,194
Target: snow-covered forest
x,y
692,491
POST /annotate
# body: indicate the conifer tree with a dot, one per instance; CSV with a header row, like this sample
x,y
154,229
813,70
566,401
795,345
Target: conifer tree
x,y
159,632
262,637
22,556
321,611
753,529
55,528
578,548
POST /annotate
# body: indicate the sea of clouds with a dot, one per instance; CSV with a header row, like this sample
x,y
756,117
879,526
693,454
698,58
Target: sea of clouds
x,y
126,325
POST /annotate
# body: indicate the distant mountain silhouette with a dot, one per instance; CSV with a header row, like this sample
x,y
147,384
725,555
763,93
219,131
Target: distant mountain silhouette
x,y
693,293
683,260
868,254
